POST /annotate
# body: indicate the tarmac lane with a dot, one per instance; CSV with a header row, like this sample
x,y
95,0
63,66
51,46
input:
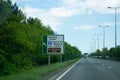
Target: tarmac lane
x,y
93,69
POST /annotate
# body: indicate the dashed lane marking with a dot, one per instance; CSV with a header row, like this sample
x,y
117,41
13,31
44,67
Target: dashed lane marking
x,y
109,67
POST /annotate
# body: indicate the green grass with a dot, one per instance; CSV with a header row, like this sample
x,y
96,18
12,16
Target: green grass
x,y
39,73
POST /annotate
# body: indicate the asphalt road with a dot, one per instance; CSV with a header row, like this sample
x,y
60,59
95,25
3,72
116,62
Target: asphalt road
x,y
94,69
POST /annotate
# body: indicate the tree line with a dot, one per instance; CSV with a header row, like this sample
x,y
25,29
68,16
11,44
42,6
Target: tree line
x,y
21,41
112,53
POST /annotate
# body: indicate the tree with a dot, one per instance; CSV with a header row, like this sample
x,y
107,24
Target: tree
x,y
118,52
10,12
21,40
5,11
71,52
104,52
112,53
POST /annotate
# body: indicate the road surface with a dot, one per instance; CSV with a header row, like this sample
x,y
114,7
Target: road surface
x,y
94,69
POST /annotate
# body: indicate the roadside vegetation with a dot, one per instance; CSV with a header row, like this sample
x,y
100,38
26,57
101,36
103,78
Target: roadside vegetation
x,y
21,42
40,73
112,53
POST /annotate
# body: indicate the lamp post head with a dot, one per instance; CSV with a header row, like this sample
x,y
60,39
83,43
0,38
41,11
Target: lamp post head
x,y
113,7
107,26
100,26
104,26
109,7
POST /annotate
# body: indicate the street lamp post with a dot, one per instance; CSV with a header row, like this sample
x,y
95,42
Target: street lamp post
x,y
94,44
103,34
115,8
98,39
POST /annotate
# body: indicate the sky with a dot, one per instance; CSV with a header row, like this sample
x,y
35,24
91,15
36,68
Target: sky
x,y
77,20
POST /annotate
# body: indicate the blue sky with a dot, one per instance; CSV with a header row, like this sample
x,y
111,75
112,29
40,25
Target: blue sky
x,y
78,20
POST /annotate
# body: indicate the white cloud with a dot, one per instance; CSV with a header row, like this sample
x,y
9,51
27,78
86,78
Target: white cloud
x,y
74,7
64,12
60,12
84,27
89,6
46,16
110,23
68,9
13,1
100,6
24,0
70,2
52,16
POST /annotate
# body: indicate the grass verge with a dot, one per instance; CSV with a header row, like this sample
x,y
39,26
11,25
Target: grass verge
x,y
39,73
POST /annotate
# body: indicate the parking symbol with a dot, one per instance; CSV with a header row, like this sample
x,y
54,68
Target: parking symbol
x,y
49,43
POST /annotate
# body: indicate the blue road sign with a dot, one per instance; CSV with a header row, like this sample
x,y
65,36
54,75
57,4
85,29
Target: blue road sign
x,y
49,43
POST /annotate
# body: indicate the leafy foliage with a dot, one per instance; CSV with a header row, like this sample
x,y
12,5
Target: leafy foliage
x,y
21,41
113,53
71,52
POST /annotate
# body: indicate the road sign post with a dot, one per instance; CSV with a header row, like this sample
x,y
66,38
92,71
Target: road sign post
x,y
53,44
61,58
49,59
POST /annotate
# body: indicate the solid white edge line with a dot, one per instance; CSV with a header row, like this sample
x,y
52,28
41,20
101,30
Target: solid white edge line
x,y
67,70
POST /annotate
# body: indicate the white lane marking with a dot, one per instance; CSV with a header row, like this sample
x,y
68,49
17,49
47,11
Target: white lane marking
x,y
67,70
109,67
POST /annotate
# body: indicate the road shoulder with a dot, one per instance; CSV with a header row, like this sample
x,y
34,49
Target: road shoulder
x,y
60,73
